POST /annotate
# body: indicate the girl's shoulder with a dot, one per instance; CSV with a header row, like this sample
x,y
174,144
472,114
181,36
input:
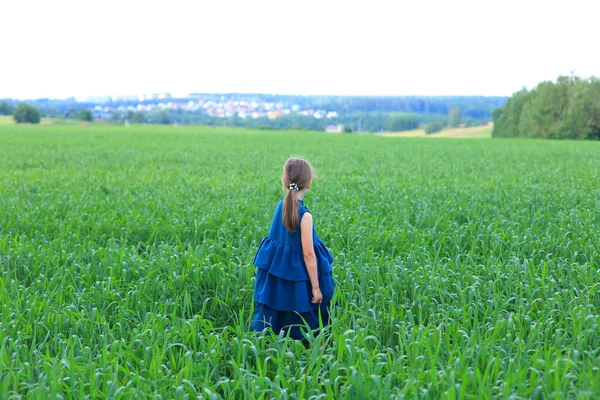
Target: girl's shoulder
x,y
303,210
303,206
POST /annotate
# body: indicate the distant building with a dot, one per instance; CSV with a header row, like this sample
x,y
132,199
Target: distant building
x,y
334,128
320,114
274,114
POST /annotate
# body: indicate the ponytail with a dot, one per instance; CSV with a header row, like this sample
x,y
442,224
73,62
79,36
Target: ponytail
x,y
290,211
297,175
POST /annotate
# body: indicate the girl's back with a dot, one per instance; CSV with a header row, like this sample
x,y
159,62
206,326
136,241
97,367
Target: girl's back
x,y
293,283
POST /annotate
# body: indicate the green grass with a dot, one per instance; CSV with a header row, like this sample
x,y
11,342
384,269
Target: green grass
x,y
464,269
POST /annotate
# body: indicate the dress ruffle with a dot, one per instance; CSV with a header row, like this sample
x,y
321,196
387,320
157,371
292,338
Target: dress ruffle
x,y
292,323
288,263
282,282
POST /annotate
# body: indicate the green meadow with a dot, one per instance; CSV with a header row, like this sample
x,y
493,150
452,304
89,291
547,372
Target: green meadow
x,y
6,120
465,269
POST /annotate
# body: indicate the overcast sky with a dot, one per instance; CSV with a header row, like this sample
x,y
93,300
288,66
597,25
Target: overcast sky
x,y
82,48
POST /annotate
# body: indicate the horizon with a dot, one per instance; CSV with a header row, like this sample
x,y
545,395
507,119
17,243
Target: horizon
x,y
192,94
333,49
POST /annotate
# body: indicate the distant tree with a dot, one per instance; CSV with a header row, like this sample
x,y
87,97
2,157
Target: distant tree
x,y
347,129
454,117
6,109
85,115
26,113
497,114
71,114
434,127
507,121
582,114
116,116
163,117
542,112
136,117
566,109
50,112
403,122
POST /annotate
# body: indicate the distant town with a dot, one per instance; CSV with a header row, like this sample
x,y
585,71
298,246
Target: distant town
x,y
222,108
266,111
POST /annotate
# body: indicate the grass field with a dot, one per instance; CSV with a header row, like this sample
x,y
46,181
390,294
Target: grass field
x,y
464,269
475,132
6,120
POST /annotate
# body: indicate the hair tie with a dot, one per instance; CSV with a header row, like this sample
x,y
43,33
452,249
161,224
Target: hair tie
x,y
293,187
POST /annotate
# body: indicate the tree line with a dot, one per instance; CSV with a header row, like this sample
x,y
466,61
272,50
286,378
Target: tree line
x,y
566,109
23,113
355,122
355,113
26,113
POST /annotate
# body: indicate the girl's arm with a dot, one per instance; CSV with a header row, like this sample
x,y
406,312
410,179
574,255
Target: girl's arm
x,y
308,249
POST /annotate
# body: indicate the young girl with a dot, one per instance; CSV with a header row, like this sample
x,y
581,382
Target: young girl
x,y
293,286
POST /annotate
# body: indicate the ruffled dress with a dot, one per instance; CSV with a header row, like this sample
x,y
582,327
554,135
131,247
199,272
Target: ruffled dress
x,y
282,290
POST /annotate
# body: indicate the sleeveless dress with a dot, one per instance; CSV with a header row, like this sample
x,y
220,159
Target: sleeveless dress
x,y
282,289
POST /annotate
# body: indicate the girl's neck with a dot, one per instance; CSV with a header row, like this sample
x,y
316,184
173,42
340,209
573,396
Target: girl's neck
x,y
300,194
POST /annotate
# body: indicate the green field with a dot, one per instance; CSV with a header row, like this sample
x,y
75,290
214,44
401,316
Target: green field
x,y
6,120
476,132
464,268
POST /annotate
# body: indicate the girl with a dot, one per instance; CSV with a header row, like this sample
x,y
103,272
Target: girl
x,y
293,286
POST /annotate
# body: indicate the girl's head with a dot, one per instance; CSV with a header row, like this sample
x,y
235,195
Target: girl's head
x,y
296,179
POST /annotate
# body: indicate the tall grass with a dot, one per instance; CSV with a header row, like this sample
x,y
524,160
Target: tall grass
x,y
464,269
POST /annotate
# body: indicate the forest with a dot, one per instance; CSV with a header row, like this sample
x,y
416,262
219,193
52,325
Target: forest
x,y
566,109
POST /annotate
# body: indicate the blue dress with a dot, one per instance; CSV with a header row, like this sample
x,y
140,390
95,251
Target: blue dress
x,y
282,290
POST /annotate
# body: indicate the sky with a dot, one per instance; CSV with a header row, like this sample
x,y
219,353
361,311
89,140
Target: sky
x,y
61,48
